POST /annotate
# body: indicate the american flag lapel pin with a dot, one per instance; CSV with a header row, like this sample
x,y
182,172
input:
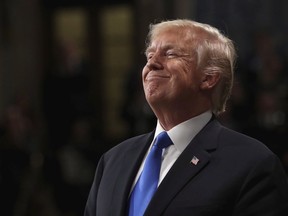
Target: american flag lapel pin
x,y
194,160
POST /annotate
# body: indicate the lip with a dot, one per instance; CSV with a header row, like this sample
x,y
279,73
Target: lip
x,y
156,76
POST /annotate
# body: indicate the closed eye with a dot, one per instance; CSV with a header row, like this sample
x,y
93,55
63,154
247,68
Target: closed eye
x,y
171,54
149,55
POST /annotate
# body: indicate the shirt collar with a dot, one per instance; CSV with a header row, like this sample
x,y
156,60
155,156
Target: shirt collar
x,y
183,133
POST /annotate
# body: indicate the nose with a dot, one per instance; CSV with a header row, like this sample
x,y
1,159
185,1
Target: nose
x,y
154,63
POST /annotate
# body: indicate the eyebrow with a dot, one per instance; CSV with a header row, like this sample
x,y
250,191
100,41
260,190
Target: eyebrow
x,y
165,47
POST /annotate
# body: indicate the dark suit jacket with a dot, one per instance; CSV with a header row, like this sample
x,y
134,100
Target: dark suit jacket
x,y
236,175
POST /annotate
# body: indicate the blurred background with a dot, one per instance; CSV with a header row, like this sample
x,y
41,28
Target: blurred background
x,y
70,88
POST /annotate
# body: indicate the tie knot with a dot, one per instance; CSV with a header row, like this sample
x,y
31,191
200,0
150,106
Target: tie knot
x,y
162,140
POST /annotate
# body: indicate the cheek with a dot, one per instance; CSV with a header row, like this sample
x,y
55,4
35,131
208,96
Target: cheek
x,y
143,71
184,74
144,74
191,73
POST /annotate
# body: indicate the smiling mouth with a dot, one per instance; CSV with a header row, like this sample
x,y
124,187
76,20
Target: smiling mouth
x,y
152,77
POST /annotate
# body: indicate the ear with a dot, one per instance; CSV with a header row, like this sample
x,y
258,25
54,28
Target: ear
x,y
209,81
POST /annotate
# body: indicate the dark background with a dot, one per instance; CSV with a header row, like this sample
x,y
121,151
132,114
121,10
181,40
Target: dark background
x,y
70,88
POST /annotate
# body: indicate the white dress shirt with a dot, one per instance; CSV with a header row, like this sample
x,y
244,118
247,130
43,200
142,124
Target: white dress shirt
x,y
181,135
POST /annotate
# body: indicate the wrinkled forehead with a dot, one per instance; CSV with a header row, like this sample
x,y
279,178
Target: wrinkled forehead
x,y
186,34
159,31
168,36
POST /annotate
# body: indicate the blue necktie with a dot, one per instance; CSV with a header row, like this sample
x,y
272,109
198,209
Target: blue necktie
x,y
148,180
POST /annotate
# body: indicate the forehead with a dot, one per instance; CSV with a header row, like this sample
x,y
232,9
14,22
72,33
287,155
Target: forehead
x,y
170,37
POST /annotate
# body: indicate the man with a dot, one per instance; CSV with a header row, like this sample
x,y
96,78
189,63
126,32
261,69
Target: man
x,y
209,170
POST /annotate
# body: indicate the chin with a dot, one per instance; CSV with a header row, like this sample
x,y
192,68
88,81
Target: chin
x,y
156,99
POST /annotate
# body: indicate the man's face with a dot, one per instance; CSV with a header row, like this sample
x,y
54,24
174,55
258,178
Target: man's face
x,y
170,75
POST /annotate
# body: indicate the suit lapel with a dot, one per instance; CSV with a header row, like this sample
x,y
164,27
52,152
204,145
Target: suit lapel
x,y
183,169
132,159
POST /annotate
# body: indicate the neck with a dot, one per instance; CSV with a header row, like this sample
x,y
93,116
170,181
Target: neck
x,y
169,119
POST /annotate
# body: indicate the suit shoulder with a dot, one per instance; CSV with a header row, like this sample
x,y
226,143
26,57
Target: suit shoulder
x,y
240,140
129,143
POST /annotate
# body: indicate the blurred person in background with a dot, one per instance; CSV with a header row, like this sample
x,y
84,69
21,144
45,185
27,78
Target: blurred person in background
x,y
71,154
208,169
266,93
18,147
